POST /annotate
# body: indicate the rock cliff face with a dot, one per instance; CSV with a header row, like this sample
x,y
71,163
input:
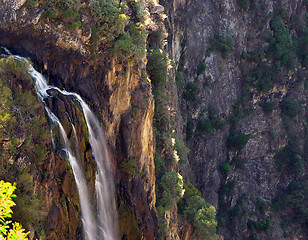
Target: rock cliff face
x,y
121,98
240,87
220,88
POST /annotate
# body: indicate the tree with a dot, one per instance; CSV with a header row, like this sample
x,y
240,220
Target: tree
x,y
203,216
9,230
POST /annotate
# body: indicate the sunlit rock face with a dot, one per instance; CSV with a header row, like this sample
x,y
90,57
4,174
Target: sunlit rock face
x,y
112,88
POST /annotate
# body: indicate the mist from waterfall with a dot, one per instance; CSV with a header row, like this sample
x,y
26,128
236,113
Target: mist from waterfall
x,y
103,224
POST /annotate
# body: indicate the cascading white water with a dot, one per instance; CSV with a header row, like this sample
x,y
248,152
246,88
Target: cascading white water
x,y
106,225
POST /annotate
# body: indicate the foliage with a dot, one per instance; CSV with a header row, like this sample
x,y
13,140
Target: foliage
x,y
224,46
189,128
267,107
237,162
255,56
296,197
182,150
261,205
263,77
190,191
213,123
131,44
203,217
67,11
237,140
7,230
201,68
244,4
171,189
281,42
190,92
161,113
30,3
225,168
289,158
290,107
108,18
259,225
129,166
227,188
128,223
157,67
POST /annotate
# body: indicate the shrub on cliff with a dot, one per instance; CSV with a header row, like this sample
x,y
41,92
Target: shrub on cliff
x,y
223,45
237,140
281,42
244,4
157,67
8,230
109,20
202,215
171,187
290,107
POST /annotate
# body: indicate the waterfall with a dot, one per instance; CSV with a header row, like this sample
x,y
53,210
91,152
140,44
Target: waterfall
x,y
103,224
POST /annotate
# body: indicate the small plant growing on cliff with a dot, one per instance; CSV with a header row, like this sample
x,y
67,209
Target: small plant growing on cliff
x,y
129,166
244,4
224,46
157,67
290,107
30,4
267,107
237,140
225,169
201,68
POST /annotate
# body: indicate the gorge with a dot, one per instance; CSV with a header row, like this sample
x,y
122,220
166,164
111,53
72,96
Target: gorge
x,y
198,113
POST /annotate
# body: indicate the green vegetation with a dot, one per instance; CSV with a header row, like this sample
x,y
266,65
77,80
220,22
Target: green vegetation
x,y
128,166
171,189
281,42
201,68
194,209
212,123
157,67
253,56
290,107
62,10
108,19
237,162
227,188
224,46
157,72
203,217
225,168
122,35
190,92
263,77
289,159
182,150
244,4
267,107
237,140
7,229
259,225
27,136
131,44
295,197
128,223
261,205
30,4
